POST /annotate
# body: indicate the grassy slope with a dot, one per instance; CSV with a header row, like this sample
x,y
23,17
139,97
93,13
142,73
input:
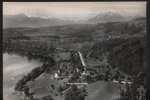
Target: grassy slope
x,y
102,91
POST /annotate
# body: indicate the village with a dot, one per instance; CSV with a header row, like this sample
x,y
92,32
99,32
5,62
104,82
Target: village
x,y
75,75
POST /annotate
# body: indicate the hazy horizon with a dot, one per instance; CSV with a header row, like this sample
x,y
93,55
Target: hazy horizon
x,y
73,10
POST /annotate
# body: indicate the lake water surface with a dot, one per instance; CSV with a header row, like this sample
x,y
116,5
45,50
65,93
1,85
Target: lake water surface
x,y
14,68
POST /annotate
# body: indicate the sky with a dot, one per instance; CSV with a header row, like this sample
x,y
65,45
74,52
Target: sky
x,y
74,10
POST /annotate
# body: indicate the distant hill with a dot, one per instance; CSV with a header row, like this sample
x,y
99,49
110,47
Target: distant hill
x,y
81,32
108,17
21,20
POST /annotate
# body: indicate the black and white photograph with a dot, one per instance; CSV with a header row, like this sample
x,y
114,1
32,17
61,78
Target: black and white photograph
x,y
74,50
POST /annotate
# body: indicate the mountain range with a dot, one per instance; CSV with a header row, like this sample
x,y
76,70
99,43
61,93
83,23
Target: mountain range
x,y
22,20
109,17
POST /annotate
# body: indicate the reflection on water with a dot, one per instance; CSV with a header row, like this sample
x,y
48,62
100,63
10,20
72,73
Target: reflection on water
x,y
14,67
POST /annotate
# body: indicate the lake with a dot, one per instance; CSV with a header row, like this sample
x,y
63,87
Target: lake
x,y
14,67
